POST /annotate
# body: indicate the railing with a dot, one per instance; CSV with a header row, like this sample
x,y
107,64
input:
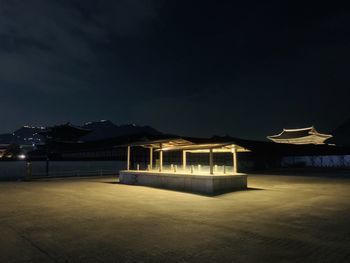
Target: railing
x,y
190,169
76,173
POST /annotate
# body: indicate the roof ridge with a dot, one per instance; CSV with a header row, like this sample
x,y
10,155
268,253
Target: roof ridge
x,y
299,129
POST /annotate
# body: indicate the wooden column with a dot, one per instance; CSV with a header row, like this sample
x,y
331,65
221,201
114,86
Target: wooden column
x,y
161,158
184,161
128,159
211,161
150,158
234,160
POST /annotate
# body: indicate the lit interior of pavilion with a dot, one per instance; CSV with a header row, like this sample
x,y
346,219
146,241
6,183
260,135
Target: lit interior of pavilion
x,y
164,147
182,176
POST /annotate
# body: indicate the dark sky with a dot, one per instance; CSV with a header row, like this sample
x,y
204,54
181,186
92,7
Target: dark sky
x,y
244,68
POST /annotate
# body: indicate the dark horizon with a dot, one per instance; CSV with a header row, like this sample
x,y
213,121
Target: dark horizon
x,y
157,129
194,69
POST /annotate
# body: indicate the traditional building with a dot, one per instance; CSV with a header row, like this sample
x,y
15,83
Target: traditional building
x,y
300,136
3,149
208,179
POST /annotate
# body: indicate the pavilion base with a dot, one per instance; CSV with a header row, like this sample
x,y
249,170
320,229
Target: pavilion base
x,y
206,184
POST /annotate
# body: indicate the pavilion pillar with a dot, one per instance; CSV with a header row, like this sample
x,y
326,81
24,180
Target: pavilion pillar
x,y
150,158
184,161
161,158
211,161
128,158
234,160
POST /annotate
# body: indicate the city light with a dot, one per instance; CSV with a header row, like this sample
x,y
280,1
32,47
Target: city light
x,y
21,156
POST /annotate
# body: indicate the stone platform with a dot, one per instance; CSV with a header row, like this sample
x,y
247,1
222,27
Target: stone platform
x,y
197,183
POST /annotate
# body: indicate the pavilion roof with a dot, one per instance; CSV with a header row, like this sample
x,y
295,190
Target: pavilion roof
x,y
189,144
298,133
161,143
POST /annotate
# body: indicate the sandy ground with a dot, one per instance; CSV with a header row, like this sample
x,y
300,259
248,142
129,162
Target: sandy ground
x,y
280,219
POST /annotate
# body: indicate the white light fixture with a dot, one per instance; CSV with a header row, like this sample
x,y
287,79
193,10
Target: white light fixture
x,y
21,156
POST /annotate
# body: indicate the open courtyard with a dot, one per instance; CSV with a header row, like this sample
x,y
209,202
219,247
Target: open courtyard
x,y
279,219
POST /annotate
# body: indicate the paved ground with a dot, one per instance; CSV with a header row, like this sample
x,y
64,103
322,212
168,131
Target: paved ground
x,y
283,219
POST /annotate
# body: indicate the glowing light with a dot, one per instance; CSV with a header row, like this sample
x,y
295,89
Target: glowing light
x,y
21,156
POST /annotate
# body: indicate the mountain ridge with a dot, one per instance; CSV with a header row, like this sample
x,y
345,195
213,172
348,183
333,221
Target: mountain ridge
x,y
100,130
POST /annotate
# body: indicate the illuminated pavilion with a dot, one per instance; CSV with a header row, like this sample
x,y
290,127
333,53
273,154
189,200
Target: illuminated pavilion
x,y
205,179
307,135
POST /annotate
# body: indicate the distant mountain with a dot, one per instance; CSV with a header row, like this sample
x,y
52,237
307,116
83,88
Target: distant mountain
x,y
341,135
100,130
105,129
25,135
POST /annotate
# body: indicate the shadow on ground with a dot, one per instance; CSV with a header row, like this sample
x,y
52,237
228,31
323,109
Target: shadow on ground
x,y
189,192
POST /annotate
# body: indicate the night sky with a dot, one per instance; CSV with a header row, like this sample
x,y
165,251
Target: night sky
x,y
243,68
